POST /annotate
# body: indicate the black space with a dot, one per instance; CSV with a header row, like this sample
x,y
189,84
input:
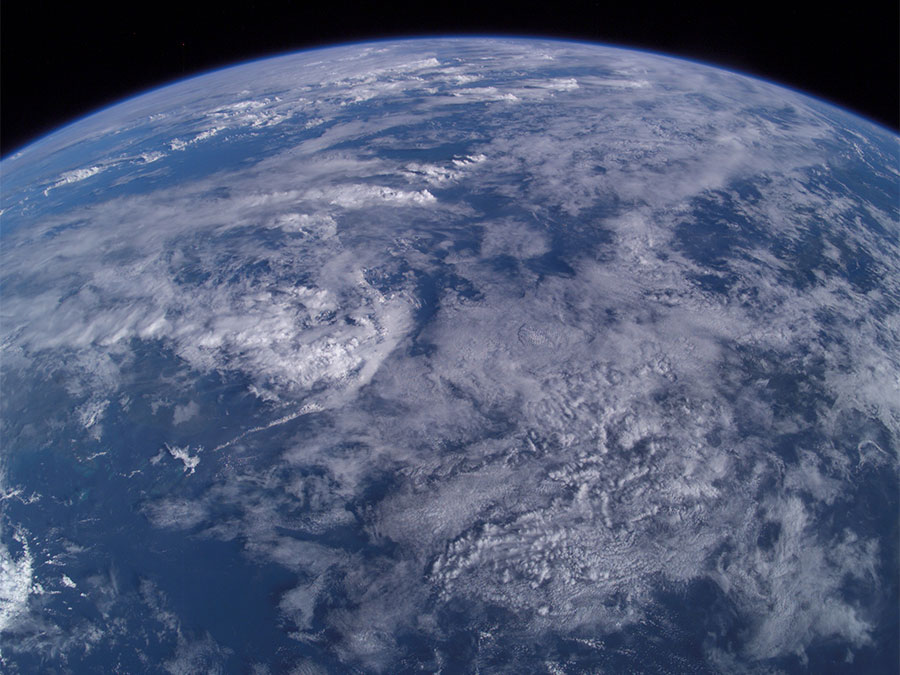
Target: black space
x,y
59,61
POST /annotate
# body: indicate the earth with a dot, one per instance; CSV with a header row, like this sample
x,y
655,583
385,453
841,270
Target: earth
x,y
453,355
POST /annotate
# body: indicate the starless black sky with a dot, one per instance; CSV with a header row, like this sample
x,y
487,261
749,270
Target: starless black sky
x,y
60,61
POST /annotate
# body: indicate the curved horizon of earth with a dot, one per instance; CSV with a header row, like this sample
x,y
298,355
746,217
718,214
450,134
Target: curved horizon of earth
x,y
452,355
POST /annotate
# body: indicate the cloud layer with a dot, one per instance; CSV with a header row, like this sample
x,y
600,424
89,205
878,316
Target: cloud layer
x,y
540,334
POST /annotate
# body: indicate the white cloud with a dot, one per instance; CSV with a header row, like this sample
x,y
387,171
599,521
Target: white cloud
x,y
184,413
75,176
183,454
202,654
16,580
176,513
514,239
92,412
616,83
150,157
485,94
437,174
358,196
203,135
557,84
